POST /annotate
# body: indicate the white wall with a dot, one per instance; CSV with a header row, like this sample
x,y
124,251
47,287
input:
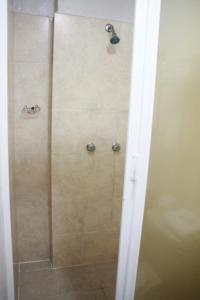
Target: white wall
x,y
35,7
10,4
121,10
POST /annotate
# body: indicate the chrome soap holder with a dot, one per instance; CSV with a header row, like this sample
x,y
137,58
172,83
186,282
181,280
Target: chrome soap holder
x,y
32,110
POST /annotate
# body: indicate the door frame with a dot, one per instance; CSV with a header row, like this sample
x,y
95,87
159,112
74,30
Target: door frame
x,y
144,62
6,258
145,46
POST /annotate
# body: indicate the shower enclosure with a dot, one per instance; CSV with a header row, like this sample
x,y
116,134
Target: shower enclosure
x,y
69,82
67,120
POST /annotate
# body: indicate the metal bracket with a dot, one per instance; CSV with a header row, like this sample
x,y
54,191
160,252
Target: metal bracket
x,y
32,109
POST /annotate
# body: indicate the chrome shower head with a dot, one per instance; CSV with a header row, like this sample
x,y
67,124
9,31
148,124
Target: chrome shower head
x,y
114,37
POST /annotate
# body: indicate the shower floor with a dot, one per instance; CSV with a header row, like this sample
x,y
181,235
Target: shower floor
x,y
39,281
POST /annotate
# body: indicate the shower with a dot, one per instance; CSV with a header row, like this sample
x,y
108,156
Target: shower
x,y
67,144
114,37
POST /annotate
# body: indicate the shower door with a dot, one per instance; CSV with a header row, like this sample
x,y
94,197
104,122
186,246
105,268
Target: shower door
x,y
169,264
91,79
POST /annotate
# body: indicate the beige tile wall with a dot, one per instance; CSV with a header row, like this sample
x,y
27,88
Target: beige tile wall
x,y
90,104
31,137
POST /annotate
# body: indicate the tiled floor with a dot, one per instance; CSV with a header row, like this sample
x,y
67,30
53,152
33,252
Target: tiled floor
x,y
39,281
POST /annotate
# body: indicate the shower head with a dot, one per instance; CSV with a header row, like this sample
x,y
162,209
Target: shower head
x,y
114,37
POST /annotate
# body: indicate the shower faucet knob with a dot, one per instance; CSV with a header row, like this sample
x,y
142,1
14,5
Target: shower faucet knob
x,y
116,147
91,147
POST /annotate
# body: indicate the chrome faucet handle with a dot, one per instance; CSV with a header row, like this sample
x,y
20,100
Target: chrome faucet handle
x,y
116,147
91,147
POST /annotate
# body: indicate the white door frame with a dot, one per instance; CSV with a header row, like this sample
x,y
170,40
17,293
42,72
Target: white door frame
x,y
145,44
6,259
145,47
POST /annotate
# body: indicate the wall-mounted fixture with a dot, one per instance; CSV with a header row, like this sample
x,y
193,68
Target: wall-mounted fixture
x,y
32,109
116,147
91,147
114,37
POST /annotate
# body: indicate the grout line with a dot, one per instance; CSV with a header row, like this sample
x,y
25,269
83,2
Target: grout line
x,y
85,265
104,293
50,96
64,293
18,292
33,261
18,12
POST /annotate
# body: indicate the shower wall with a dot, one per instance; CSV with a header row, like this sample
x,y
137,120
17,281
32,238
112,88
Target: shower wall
x,y
90,103
30,134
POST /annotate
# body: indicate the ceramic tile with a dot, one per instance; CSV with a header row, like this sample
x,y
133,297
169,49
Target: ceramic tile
x,y
38,284
98,213
94,30
16,279
72,130
31,84
80,278
85,172
79,66
67,249
67,213
35,266
13,213
33,228
32,47
77,295
118,189
106,273
64,37
94,87
90,103
100,246
109,293
31,135
37,165
117,213
10,35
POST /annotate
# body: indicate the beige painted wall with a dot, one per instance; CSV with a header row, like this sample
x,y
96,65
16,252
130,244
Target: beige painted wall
x,y
30,161
90,104
169,260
